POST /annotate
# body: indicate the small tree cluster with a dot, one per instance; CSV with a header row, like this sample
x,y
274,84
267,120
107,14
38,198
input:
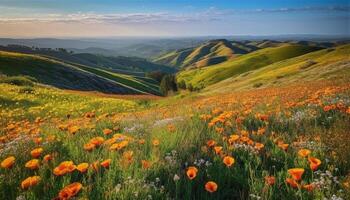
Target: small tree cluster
x,y
167,84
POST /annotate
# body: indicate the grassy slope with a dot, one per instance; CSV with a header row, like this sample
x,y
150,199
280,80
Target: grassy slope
x,y
200,78
64,75
319,65
212,52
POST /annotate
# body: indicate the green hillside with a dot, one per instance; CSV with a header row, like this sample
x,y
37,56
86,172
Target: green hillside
x,y
326,64
73,76
209,53
203,77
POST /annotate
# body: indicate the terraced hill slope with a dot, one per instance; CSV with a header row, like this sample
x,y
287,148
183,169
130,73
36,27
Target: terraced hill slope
x,y
203,77
210,53
327,64
74,76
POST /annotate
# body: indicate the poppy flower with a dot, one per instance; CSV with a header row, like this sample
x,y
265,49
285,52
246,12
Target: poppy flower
x,y
309,187
82,167
8,162
97,141
304,152
30,182
296,173
106,163
36,152
270,180
70,191
145,164
218,149
107,131
191,172
32,164
292,182
64,168
73,129
228,161
314,163
155,142
38,140
89,146
120,145
211,186
47,157
142,141
211,143
233,138
283,146
259,146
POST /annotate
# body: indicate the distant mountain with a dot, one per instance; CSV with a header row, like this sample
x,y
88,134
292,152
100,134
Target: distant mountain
x,y
68,75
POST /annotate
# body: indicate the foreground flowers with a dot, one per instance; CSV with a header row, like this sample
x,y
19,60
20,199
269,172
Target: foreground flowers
x,y
228,161
314,163
211,186
296,173
30,182
191,172
8,162
70,191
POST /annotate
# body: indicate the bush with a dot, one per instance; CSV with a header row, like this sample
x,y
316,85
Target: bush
x,y
167,84
18,80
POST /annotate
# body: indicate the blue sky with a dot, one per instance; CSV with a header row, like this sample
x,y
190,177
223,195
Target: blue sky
x,y
92,18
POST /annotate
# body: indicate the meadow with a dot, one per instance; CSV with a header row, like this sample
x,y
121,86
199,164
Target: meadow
x,y
278,142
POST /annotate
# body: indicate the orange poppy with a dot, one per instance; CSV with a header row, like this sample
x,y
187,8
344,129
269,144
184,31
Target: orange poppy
x,y
228,161
97,141
95,166
142,141
304,152
270,180
292,182
89,146
314,163
83,167
296,173
70,190
36,152
64,168
259,146
8,162
283,146
233,138
120,145
145,164
211,186
30,182
128,155
155,142
218,149
73,129
191,172
107,131
38,140
106,163
47,157
309,187
211,143
32,164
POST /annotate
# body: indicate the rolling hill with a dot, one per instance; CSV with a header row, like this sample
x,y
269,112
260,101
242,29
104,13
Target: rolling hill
x,y
209,53
326,64
129,65
74,76
203,77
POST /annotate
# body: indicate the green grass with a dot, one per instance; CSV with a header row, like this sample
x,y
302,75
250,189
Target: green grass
x,y
201,78
326,64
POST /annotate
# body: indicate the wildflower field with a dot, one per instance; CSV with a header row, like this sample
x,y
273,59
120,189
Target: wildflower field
x,y
273,143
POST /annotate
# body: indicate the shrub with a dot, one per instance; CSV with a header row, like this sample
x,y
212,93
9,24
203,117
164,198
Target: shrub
x,y
27,89
18,80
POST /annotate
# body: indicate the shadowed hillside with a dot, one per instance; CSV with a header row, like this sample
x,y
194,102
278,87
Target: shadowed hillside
x,y
73,76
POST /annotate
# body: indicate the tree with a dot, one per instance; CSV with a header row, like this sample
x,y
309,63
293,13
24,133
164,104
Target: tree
x,y
167,84
181,84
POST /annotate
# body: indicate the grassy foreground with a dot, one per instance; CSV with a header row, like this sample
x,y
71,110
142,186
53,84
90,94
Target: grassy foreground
x,y
273,143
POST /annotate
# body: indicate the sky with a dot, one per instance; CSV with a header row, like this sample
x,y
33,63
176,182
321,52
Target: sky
x,y
107,18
